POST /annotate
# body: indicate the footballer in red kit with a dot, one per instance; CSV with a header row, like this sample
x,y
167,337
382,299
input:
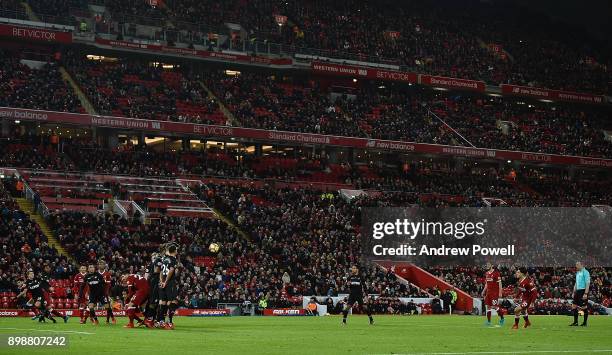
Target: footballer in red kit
x,y
77,282
137,295
527,294
103,270
492,292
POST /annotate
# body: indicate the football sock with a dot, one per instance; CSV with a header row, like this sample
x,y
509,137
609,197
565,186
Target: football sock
x,y
526,318
344,315
488,316
516,320
109,314
171,310
150,311
575,315
156,314
161,316
131,312
500,313
586,316
92,314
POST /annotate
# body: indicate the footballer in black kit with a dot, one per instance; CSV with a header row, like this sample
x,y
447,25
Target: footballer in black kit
x,y
40,302
153,277
356,291
96,284
34,286
168,287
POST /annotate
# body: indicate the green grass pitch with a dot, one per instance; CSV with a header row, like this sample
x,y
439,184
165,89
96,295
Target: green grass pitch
x,y
323,335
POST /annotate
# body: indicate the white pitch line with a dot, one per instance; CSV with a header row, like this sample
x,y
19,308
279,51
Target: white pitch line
x,y
49,330
592,351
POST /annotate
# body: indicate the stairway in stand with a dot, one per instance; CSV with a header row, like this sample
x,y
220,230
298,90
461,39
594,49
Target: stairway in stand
x,y
87,105
26,206
226,112
231,223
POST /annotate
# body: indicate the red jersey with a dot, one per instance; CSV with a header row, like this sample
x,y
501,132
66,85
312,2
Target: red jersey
x,y
137,283
527,289
492,279
77,281
107,281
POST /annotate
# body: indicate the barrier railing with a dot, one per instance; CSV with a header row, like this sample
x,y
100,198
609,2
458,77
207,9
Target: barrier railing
x,y
119,209
142,213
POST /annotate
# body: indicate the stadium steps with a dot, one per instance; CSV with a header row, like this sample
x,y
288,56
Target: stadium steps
x,y
77,90
231,223
26,206
226,112
28,10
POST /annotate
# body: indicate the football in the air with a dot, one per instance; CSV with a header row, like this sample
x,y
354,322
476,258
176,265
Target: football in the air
x,y
214,248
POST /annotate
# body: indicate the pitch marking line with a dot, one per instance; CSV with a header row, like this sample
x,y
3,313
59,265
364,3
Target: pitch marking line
x,y
592,351
49,330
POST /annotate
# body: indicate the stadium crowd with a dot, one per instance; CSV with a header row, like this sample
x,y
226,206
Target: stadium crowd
x,y
474,40
277,261
133,88
418,181
290,241
24,245
243,270
36,88
142,90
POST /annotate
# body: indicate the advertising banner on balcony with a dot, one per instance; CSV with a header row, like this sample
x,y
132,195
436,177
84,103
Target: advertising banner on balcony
x,y
35,34
546,94
453,83
363,72
298,138
231,57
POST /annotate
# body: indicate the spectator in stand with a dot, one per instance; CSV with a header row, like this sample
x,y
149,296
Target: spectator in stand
x,y
478,40
43,89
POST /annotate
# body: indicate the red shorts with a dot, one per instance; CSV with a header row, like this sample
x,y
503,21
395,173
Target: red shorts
x,y
526,302
491,301
47,298
139,298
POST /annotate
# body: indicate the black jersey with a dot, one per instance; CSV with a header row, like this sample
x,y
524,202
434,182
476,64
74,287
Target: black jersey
x,y
154,269
356,285
168,262
35,287
45,280
95,282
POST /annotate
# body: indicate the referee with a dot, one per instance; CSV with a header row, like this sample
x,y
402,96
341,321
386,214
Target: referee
x,y
581,294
